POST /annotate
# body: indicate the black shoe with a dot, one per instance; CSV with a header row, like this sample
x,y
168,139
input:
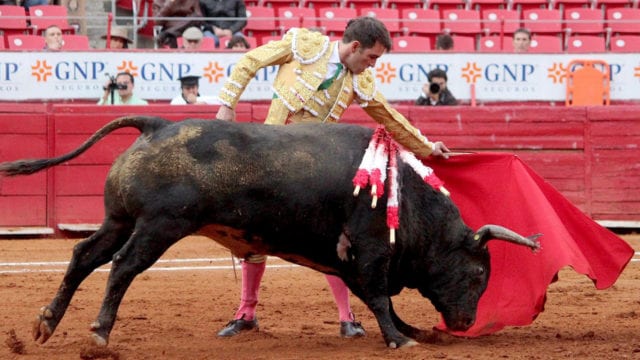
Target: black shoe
x,y
234,327
349,329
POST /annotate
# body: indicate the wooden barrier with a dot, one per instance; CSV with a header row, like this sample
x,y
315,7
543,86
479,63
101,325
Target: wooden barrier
x,y
590,154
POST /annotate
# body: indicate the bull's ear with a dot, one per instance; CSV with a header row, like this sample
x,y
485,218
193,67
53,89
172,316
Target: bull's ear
x,y
488,232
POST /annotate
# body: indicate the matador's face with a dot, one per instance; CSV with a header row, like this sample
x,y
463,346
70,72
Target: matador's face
x,y
359,58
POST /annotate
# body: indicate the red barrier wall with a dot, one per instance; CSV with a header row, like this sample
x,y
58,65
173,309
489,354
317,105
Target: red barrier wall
x,y
590,154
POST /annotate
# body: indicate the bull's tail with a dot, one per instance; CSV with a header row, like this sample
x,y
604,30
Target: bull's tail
x,y
144,124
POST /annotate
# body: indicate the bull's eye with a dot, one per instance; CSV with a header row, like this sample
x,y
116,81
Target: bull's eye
x,y
480,270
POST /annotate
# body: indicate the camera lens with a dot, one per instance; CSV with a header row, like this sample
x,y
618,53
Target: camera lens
x,y
434,88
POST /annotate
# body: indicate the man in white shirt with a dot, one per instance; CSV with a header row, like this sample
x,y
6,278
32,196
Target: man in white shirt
x,y
190,92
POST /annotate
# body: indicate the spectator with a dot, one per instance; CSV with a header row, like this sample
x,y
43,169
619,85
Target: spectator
x,y
53,38
238,43
119,38
234,10
173,28
192,38
190,92
444,42
521,40
123,83
435,92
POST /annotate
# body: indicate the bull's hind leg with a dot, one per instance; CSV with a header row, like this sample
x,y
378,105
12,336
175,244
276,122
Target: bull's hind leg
x,y
147,243
88,255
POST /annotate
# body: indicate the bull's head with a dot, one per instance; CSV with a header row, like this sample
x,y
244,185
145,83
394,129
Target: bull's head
x,y
459,277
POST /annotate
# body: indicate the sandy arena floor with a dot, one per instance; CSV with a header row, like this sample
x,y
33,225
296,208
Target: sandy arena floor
x,y
174,310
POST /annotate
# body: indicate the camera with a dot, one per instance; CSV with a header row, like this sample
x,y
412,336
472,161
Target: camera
x,y
113,85
434,88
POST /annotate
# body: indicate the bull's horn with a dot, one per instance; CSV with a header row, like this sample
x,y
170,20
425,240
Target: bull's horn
x,y
488,232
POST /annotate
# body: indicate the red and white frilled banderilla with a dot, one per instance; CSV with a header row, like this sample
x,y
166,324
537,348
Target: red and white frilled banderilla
x,y
383,150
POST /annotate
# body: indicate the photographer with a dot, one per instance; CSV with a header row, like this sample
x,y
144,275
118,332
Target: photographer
x,y
123,85
435,92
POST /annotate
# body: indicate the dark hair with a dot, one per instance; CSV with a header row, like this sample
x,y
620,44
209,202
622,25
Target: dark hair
x,y
523,31
368,31
444,42
237,39
127,74
439,73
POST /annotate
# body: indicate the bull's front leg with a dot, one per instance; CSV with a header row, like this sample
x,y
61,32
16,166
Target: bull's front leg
x,y
420,335
371,286
379,305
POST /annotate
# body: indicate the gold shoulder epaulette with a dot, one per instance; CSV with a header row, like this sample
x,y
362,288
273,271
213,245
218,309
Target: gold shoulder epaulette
x,y
308,46
364,85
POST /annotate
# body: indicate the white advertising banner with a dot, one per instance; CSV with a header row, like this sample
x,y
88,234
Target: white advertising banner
x,y
496,77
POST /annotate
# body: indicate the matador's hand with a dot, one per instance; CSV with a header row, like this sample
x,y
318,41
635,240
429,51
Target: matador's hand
x,y
440,149
226,113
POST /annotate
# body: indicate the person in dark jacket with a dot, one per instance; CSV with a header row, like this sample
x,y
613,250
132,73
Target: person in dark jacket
x,y
435,92
234,10
173,28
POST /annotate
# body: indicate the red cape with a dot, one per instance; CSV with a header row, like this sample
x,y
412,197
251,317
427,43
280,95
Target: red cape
x,y
498,188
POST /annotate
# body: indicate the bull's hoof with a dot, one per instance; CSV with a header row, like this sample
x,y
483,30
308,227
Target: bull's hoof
x,y
98,339
41,330
406,343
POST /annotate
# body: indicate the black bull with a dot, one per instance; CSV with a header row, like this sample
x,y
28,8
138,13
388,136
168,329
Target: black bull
x,y
279,190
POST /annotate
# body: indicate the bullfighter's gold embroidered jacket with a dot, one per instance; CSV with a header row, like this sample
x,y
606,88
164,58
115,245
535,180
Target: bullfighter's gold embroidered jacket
x,y
303,57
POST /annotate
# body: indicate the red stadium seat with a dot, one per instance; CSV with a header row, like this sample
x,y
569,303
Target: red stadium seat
x,y
390,17
43,16
411,44
583,21
261,21
13,20
625,43
523,5
586,44
334,20
296,17
495,43
442,5
405,4
546,44
421,21
75,42
25,42
623,20
461,21
572,4
464,43
279,4
359,4
542,21
481,5
317,4
268,39
495,21
609,4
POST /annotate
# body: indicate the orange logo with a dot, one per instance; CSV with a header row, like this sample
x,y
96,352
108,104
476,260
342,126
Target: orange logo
x,y
636,71
41,70
385,72
128,67
471,73
213,72
557,73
